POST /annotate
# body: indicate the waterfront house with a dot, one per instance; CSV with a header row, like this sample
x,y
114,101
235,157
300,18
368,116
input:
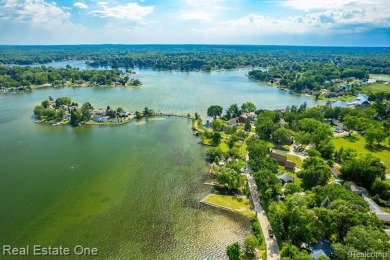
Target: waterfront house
x,y
242,119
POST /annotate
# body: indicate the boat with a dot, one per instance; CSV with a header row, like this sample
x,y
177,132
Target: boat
x,y
56,124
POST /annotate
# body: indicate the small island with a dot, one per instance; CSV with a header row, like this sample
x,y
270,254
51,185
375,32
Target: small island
x,y
63,111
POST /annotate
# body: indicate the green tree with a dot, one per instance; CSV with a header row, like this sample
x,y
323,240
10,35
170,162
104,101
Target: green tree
x,y
234,251
315,172
282,136
248,107
217,125
264,127
247,126
232,179
45,104
363,240
363,170
38,111
75,117
233,110
251,243
86,109
214,111
217,138
138,114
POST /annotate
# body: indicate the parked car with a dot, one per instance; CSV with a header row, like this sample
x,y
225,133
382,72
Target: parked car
x,y
270,233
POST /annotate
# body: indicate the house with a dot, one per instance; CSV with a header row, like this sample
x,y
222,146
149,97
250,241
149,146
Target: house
x,y
284,178
322,248
280,158
233,122
242,119
335,172
124,114
289,166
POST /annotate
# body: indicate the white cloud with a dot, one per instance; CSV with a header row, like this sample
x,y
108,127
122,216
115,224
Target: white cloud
x,y
80,5
34,12
129,11
375,12
201,10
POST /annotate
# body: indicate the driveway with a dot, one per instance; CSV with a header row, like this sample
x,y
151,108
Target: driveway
x,y
272,246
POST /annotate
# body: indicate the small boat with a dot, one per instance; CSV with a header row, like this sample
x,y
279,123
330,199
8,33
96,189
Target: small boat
x,y
56,124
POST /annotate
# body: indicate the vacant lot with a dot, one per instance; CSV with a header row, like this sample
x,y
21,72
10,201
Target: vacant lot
x,y
358,143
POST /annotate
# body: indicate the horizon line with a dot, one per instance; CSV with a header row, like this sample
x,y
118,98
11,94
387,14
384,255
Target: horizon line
x,y
191,44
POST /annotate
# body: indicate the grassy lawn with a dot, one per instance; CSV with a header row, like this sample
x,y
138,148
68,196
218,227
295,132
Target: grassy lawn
x,y
358,143
224,147
376,87
298,162
231,203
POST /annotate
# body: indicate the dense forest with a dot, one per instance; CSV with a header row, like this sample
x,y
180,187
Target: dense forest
x,y
202,57
22,77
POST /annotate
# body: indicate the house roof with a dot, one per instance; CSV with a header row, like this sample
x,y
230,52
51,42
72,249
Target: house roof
x,y
285,178
278,157
289,165
322,248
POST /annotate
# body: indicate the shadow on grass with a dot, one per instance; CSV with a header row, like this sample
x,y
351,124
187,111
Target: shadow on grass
x,y
352,138
377,148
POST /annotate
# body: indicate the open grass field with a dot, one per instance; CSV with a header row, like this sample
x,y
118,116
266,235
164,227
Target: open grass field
x,y
230,203
377,87
358,143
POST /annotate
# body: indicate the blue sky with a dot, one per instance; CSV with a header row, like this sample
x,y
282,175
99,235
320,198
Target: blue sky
x,y
276,22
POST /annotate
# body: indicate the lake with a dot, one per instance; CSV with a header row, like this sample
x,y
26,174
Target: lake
x,y
131,191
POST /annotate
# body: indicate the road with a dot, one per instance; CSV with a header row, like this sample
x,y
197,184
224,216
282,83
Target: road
x,y
272,246
374,208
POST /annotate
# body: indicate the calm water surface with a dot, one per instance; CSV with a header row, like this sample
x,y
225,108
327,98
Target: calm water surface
x,y
132,191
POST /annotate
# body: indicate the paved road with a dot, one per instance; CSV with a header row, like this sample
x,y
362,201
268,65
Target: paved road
x,y
381,214
272,246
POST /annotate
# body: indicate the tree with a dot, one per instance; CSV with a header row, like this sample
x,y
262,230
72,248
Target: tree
x,y
233,110
257,148
264,127
119,109
248,107
282,136
38,111
215,152
86,111
214,111
234,251
374,134
251,243
315,172
217,125
247,126
75,117
45,104
363,170
363,240
232,179
138,114
217,138
291,188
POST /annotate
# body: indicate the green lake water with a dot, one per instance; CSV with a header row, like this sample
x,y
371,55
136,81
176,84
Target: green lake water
x,y
131,191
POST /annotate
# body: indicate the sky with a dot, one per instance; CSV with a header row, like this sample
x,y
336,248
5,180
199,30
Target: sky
x,y
254,22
